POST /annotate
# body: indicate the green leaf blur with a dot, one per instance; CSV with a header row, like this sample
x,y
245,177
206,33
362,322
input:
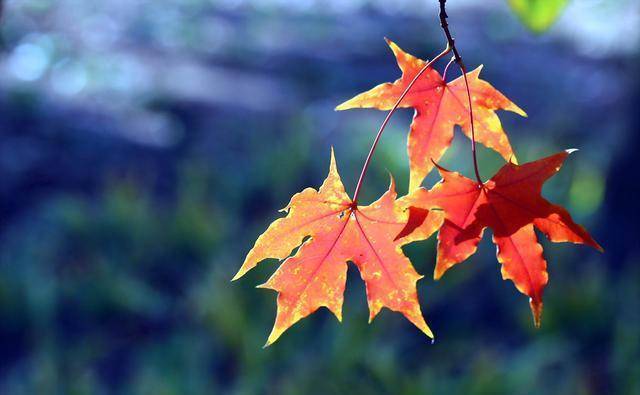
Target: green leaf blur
x,y
538,15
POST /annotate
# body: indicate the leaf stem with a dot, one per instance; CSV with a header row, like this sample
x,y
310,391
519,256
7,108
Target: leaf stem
x,y
444,74
388,117
463,69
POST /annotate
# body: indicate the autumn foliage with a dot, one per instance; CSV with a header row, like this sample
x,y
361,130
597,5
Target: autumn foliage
x,y
439,107
329,229
511,205
340,232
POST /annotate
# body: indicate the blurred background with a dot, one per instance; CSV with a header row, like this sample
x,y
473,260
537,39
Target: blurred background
x,y
144,145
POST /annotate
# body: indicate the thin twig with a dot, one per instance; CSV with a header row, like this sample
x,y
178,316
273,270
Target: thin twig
x,y
451,43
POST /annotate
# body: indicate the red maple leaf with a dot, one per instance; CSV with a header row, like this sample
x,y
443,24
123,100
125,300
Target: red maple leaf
x,y
511,205
339,232
439,106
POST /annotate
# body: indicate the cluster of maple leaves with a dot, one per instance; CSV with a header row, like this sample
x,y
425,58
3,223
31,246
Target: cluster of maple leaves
x,y
337,230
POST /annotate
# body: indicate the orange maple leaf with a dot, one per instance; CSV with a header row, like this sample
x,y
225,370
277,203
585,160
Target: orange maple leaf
x,y
339,232
510,204
439,106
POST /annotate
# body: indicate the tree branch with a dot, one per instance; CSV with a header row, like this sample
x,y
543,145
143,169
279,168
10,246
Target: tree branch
x,y
451,43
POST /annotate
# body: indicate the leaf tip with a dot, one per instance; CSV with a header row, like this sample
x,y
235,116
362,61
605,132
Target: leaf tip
x,y
416,217
515,108
342,106
536,311
596,245
442,265
427,331
274,335
333,166
392,183
241,272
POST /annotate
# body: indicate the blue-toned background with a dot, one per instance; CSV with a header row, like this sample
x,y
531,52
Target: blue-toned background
x,y
144,145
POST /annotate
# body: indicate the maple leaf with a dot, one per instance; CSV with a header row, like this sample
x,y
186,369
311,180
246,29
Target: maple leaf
x,y
439,106
510,204
339,232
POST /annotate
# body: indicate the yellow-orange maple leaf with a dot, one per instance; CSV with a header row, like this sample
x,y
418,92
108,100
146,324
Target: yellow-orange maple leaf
x,y
439,106
340,232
